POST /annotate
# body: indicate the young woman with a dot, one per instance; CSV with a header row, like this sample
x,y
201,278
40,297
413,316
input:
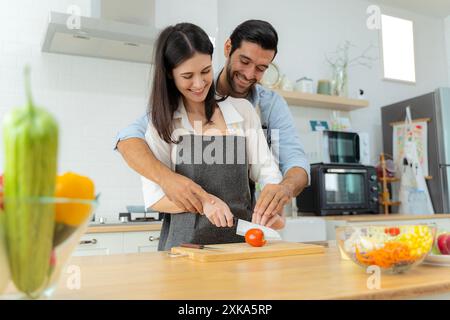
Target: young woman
x,y
218,143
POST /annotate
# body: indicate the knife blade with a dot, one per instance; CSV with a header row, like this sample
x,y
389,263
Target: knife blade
x,y
243,226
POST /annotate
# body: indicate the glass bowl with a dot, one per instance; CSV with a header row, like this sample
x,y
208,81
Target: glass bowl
x,y
395,249
39,236
4,265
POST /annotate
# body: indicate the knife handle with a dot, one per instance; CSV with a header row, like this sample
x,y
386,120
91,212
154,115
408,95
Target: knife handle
x,y
192,245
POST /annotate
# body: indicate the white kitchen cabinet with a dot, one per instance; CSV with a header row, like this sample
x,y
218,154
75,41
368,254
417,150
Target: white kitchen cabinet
x,y
136,242
95,244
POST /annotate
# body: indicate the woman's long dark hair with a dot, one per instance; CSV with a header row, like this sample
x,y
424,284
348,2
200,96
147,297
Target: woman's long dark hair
x,y
175,45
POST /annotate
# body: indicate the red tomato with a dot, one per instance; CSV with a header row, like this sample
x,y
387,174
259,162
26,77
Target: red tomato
x,y
255,237
395,231
392,231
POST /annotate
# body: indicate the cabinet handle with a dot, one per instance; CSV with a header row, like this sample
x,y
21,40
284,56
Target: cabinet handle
x,y
93,241
152,238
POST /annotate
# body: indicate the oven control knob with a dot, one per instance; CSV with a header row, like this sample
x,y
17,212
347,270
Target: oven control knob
x,y
374,189
373,177
374,199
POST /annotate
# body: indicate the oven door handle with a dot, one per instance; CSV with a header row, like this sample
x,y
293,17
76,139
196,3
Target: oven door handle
x,y
345,170
357,149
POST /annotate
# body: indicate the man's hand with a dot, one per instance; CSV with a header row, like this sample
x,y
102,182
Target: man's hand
x,y
185,193
218,213
277,222
271,202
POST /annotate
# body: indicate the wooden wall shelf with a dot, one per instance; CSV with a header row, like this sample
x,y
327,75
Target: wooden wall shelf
x,y
398,179
301,99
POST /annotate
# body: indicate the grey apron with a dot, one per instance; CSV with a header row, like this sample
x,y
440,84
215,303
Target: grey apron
x,y
226,177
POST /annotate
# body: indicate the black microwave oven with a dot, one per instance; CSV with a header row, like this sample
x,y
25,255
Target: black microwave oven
x,y
335,147
338,189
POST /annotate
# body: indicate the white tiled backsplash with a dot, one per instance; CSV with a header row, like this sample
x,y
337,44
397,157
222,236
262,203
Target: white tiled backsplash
x,y
91,99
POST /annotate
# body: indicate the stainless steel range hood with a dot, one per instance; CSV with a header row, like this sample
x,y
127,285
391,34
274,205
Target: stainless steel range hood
x,y
102,37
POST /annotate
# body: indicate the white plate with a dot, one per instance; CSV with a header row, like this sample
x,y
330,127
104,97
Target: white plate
x,y
272,77
438,260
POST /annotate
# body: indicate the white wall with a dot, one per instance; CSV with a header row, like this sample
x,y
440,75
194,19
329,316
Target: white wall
x,y
203,13
447,42
309,29
93,98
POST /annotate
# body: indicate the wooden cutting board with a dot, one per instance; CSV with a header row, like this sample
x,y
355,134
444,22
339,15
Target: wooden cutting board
x,y
242,251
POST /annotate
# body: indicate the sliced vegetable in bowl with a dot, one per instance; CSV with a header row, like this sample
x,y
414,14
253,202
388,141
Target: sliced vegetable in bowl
x,y
392,248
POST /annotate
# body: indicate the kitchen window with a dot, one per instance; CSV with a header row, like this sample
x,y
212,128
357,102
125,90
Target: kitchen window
x,y
398,49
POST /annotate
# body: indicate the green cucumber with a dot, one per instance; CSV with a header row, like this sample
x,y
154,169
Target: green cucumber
x,y
30,136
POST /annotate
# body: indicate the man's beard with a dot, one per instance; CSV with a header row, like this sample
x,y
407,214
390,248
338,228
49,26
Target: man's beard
x,y
232,86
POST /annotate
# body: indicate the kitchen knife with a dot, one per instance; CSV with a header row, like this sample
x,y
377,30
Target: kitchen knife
x,y
196,246
269,234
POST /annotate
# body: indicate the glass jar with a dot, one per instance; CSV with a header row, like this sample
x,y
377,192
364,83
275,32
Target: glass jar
x,y
340,81
304,85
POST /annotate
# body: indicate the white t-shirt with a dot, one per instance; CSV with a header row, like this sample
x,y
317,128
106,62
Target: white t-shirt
x,y
241,120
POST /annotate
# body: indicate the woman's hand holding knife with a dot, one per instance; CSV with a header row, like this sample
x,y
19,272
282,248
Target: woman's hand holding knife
x,y
185,193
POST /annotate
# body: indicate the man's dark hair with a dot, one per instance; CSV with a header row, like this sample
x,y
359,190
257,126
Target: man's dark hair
x,y
255,31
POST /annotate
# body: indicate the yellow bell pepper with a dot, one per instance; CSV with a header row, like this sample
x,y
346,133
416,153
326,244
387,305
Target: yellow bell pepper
x,y
73,186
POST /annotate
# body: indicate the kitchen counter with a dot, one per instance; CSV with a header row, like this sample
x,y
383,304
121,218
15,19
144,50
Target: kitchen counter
x,y
124,227
319,276
156,226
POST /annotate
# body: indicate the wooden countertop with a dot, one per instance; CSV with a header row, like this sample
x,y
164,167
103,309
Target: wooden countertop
x,y
128,227
319,276
389,217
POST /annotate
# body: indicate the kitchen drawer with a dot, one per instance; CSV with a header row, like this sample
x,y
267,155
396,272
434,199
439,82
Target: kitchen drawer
x,y
136,242
94,244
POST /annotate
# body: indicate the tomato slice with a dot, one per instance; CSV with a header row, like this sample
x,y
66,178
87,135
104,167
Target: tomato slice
x,y
394,231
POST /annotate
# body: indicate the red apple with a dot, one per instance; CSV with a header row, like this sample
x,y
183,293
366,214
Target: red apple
x,y
443,243
448,244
